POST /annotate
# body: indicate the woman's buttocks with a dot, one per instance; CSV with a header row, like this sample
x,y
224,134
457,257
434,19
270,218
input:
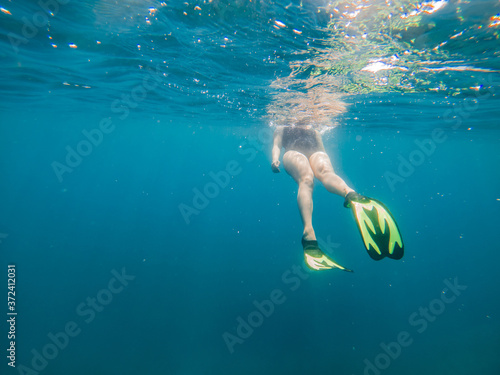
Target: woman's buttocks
x,y
301,139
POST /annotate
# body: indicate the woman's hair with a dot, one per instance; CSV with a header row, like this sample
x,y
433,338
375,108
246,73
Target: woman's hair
x,y
304,102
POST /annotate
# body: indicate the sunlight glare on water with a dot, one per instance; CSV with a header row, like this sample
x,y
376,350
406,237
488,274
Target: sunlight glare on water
x,y
240,56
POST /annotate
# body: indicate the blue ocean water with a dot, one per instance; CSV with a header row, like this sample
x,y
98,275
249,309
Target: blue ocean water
x,y
149,235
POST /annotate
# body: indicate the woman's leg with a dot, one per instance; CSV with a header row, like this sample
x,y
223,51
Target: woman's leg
x,y
297,165
323,170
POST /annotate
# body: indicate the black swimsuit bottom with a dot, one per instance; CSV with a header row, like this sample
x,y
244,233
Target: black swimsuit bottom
x,y
300,139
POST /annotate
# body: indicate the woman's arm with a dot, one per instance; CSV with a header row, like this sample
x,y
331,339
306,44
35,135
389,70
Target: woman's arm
x,y
278,136
319,140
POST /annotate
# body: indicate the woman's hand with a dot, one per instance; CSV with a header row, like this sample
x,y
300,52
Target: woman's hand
x,y
275,166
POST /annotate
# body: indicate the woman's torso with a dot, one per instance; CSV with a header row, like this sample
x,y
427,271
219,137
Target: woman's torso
x,y
304,140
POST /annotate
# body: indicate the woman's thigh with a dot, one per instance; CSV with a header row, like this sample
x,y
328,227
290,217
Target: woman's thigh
x,y
297,165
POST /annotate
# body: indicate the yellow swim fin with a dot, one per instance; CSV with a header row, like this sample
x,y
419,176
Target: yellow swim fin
x,y
317,260
377,226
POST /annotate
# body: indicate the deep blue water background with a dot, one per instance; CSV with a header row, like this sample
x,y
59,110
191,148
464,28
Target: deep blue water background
x,y
119,208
